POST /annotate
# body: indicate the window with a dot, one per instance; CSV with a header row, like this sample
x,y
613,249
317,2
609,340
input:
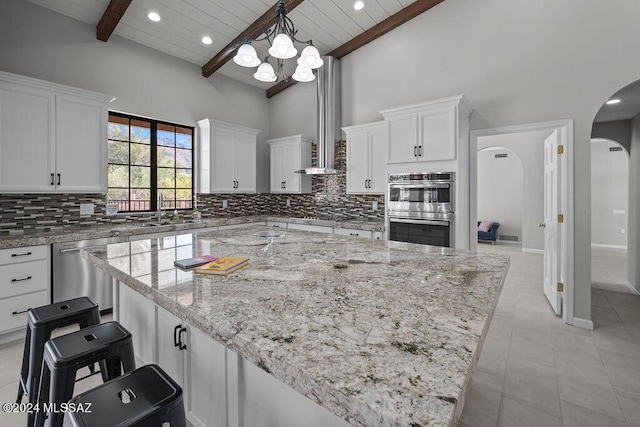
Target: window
x,y
148,158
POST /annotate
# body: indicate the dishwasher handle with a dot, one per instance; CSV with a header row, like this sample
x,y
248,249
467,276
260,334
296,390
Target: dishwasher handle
x,y
64,251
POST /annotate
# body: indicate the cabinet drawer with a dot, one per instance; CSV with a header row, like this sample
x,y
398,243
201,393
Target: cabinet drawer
x,y
28,253
352,232
23,278
277,224
13,311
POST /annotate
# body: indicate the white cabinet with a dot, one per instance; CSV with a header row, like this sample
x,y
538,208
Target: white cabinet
x,y
427,132
138,315
227,157
171,340
207,385
52,137
352,232
366,162
288,155
81,148
24,284
310,227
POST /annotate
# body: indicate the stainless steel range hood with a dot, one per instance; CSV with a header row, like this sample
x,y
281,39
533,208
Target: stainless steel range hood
x,y
329,116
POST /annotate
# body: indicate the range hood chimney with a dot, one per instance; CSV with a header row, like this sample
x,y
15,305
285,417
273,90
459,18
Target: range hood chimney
x,y
329,116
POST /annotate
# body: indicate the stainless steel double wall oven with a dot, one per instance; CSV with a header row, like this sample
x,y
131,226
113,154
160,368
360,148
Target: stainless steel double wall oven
x,y
421,208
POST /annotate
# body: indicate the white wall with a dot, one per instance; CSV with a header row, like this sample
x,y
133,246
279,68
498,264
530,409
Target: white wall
x,y
528,146
40,43
500,190
609,193
633,249
517,62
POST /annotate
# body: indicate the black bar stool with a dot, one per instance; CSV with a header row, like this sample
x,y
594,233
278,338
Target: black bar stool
x,y
42,322
146,397
63,356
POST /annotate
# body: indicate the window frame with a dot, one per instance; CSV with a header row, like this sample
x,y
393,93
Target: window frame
x,y
153,161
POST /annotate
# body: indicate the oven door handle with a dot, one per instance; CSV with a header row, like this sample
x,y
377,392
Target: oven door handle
x,y
421,221
425,186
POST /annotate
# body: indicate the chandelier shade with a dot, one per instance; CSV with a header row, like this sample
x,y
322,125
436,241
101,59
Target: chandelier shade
x,y
247,56
280,33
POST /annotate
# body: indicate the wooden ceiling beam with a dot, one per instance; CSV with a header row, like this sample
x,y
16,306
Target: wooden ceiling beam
x,y
110,18
253,31
414,9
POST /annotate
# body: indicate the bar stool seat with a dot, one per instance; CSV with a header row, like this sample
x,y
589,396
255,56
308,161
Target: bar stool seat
x,y
42,321
146,397
108,342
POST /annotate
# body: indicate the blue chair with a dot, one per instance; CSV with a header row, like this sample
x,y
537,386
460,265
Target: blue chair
x,y
489,236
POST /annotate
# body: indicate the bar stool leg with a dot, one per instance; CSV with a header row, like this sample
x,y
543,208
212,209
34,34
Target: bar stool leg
x,y
37,419
63,380
24,373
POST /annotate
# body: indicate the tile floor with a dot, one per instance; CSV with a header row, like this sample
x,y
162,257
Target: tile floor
x,y
536,371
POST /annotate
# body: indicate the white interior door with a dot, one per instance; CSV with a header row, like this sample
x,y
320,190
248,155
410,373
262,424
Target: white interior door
x,y
552,241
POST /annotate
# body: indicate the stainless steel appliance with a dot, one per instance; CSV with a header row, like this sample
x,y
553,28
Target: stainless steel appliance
x,y
421,208
75,277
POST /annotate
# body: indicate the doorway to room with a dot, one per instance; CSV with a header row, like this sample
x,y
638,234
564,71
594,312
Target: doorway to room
x,y
609,215
556,280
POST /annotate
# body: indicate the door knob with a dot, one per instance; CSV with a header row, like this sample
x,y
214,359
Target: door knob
x,y
542,224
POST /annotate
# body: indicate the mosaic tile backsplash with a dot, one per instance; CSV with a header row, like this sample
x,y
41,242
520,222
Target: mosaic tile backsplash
x,y
31,213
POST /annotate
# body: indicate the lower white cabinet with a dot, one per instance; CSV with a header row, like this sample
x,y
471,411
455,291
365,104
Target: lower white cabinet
x,y
138,315
194,360
309,227
24,284
352,232
207,382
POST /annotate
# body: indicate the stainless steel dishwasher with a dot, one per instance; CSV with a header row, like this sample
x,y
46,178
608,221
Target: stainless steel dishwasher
x,y
75,277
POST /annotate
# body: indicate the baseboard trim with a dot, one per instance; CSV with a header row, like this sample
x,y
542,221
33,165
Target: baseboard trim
x,y
583,323
598,245
631,287
533,251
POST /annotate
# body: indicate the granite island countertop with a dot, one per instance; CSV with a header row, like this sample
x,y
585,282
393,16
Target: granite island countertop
x,y
378,332
60,234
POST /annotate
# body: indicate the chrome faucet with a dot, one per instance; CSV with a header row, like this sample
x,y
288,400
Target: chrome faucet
x,y
160,200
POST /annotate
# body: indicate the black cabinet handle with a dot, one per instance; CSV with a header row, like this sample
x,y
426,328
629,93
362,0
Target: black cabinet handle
x,y
420,151
181,345
58,179
353,234
284,184
21,280
24,254
415,151
176,343
15,313
51,179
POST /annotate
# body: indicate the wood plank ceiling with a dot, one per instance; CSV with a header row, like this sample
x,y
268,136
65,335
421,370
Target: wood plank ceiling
x,y
331,24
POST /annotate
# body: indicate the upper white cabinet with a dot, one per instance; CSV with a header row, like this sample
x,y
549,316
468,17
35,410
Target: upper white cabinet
x,y
288,155
227,157
52,137
427,132
366,161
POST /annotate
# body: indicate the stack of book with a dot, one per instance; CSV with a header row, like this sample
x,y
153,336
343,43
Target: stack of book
x,y
223,266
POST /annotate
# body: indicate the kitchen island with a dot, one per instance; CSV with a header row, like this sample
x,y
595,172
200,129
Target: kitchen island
x,y
376,332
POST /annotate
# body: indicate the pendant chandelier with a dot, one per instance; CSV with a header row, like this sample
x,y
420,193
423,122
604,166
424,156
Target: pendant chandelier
x,y
280,33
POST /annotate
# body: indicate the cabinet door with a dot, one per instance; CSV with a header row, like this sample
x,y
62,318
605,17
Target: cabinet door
x,y
170,357
138,315
81,148
245,162
437,135
403,139
277,168
357,163
27,132
291,164
222,160
377,161
207,403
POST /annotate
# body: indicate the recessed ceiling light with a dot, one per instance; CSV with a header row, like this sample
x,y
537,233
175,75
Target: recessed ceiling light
x,y
613,101
358,5
207,40
153,16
